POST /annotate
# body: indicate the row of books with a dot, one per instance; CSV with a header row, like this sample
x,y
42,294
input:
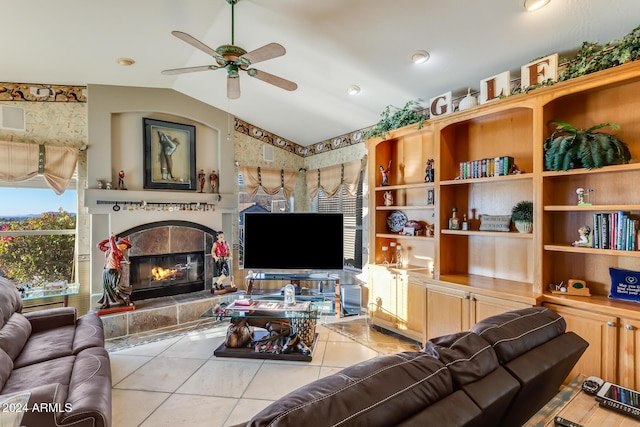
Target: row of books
x,y
615,230
483,168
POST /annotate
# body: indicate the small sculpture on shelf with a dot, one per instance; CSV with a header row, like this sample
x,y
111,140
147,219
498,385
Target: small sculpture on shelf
x,y
581,192
201,180
429,172
388,198
584,237
385,174
213,181
121,185
108,185
99,184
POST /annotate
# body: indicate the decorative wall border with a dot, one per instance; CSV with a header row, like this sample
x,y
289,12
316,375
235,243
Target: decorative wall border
x,y
42,92
352,138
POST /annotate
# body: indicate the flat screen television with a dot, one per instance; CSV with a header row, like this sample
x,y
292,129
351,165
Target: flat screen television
x,y
293,241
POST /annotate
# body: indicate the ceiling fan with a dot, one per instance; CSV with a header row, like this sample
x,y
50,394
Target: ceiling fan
x,y
234,59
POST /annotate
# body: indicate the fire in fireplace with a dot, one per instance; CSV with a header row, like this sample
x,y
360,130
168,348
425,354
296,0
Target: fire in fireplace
x,y
168,274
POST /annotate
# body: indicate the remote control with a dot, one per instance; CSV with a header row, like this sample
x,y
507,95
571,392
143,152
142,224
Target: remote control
x,y
563,422
619,399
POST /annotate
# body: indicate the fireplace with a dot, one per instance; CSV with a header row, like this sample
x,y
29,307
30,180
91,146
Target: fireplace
x,y
167,274
168,258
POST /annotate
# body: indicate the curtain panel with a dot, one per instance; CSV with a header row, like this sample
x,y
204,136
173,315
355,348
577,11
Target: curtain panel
x,y
271,180
330,178
20,161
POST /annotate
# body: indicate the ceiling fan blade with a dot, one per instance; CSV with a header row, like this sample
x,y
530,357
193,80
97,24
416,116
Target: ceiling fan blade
x,y
189,69
271,50
197,44
233,87
271,79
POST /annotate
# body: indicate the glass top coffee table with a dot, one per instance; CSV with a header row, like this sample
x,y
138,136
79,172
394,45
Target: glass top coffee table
x,y
301,318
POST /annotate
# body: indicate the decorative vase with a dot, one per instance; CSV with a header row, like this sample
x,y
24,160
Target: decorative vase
x,y
524,226
468,101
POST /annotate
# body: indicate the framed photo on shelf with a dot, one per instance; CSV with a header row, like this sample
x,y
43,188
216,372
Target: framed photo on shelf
x,y
169,155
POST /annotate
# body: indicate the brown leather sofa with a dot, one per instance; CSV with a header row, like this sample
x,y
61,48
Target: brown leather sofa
x,y
497,374
59,358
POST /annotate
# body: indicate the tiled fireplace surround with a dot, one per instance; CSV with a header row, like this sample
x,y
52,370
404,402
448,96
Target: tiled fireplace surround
x,y
158,238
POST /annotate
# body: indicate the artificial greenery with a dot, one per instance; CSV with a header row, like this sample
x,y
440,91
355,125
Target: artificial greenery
x,y
568,147
592,57
404,116
522,211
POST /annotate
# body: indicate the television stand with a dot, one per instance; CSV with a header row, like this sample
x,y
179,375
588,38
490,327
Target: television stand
x,y
312,277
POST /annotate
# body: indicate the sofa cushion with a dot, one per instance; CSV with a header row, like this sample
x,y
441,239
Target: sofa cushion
x,y
493,394
466,355
6,366
14,335
378,392
516,332
541,373
56,371
10,300
454,410
46,345
89,333
89,389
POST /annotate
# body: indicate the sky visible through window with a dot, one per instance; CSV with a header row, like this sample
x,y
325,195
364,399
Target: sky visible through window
x,y
30,201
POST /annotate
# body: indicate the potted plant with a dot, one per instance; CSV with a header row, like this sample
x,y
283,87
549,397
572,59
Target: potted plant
x,y
568,147
522,216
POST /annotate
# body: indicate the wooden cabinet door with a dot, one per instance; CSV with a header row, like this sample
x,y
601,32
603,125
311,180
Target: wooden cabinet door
x,y
629,353
483,306
382,306
447,311
412,308
600,331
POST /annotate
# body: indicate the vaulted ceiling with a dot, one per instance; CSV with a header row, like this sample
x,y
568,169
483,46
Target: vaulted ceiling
x,y
330,44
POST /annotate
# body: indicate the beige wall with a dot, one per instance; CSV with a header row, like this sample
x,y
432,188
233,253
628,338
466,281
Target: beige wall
x,y
111,125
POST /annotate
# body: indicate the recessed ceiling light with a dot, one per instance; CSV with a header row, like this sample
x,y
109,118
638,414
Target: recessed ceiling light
x,y
125,61
420,56
532,5
353,90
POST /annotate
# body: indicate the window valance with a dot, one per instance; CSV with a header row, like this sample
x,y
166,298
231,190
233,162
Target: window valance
x,y
330,178
20,161
271,180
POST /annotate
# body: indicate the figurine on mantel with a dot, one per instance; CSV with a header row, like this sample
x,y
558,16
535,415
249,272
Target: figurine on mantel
x,y
121,185
213,181
201,180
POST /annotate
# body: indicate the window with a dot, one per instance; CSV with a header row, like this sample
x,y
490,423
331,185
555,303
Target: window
x,y
351,207
261,202
37,233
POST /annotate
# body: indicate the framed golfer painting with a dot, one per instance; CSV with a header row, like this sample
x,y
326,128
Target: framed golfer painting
x,y
169,155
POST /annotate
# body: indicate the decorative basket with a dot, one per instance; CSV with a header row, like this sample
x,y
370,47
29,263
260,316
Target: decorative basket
x,y
304,324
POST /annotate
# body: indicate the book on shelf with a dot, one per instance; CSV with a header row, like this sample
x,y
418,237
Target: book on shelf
x,y
615,230
487,167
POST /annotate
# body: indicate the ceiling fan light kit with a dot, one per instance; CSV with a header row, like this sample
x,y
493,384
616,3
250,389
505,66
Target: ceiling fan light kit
x,y
531,5
235,59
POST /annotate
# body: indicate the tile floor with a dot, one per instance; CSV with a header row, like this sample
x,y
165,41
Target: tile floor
x,y
173,380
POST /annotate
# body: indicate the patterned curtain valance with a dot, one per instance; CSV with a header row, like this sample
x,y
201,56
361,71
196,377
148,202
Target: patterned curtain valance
x,y
271,180
20,161
330,178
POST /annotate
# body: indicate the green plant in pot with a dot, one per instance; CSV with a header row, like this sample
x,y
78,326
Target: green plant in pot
x,y
569,147
522,216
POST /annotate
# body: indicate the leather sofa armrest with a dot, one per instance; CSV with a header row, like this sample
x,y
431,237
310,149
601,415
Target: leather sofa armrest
x,y
51,318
